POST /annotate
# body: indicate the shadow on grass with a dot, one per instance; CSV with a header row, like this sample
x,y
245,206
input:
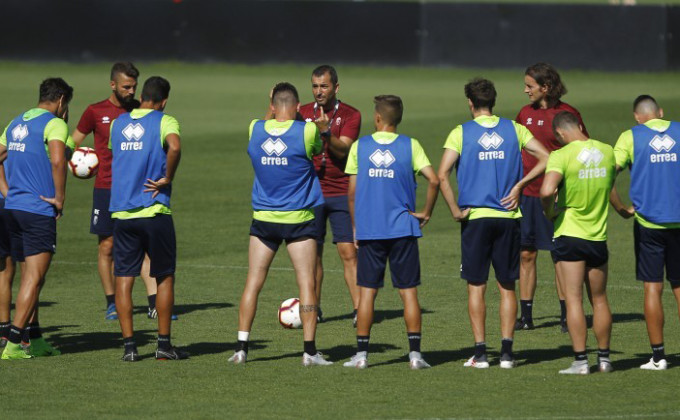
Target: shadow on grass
x,y
189,308
335,354
616,319
534,356
40,304
95,341
642,358
204,349
434,358
379,315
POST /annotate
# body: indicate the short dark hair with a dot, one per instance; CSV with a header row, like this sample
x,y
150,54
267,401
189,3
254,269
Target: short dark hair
x,y
546,75
326,68
390,108
156,89
126,68
285,93
481,92
644,98
564,120
54,88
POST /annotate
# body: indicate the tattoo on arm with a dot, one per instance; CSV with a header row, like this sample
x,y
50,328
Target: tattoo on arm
x,y
309,308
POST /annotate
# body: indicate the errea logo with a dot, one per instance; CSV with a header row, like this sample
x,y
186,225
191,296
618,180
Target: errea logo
x,y
662,144
19,132
133,133
491,141
274,147
591,159
381,158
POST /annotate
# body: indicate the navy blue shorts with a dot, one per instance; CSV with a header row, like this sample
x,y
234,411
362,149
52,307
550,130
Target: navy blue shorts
x,y
31,234
147,235
654,249
5,236
335,209
536,231
403,256
489,241
568,248
101,222
272,234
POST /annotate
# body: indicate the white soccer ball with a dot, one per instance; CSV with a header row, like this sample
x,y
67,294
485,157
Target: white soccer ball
x,y
289,313
84,163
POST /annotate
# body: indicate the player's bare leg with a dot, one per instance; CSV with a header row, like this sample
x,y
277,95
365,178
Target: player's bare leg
x,y
105,268
596,285
477,311
318,273
149,282
572,274
413,320
508,314
6,279
527,286
563,306
165,301
654,316
365,313
124,304
260,257
348,255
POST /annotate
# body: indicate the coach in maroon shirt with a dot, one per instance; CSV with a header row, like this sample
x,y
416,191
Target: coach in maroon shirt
x,y
339,125
544,87
97,119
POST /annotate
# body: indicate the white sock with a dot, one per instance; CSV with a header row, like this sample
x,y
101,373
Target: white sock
x,y
243,335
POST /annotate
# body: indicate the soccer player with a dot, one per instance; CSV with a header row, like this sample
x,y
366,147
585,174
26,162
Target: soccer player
x,y
8,268
145,145
339,125
544,87
32,151
487,153
97,119
382,199
582,175
285,191
650,150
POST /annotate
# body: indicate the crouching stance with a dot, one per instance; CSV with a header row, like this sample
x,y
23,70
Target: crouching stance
x,y
382,198
285,191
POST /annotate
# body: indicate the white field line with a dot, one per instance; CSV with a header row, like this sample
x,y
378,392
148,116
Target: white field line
x,y
611,285
671,414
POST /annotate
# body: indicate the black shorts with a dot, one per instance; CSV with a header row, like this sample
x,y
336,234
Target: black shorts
x,y
272,234
489,241
101,222
5,236
568,248
654,250
403,256
536,231
147,235
31,234
335,209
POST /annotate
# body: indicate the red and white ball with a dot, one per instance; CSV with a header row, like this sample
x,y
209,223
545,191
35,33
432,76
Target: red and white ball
x,y
84,163
289,313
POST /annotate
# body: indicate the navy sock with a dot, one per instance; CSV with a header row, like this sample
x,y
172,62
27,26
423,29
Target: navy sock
x,y
362,342
242,346
603,353
152,301
26,334
129,344
310,347
506,348
659,352
110,299
414,341
580,356
526,307
34,331
164,342
563,310
4,329
15,334
480,351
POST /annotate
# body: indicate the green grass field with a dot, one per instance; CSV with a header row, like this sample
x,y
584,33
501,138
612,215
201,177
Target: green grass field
x,y
211,204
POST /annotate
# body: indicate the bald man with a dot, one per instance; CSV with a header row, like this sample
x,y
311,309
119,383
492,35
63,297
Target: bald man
x,y
651,152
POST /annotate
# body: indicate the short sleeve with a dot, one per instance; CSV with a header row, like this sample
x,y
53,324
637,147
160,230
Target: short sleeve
x,y
250,129
70,143
86,124
3,137
455,140
523,134
420,159
352,126
313,142
352,167
555,163
56,129
169,125
623,150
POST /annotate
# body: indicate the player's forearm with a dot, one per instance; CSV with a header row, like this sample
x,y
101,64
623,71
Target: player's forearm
x,y
338,148
447,193
59,178
431,198
4,187
534,173
173,157
548,204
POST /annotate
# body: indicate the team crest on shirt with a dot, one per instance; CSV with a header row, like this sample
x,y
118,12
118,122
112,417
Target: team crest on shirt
x,y
106,120
382,160
591,159
271,148
662,145
489,142
133,133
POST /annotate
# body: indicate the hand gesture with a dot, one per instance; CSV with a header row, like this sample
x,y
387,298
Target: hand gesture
x,y
58,205
511,201
422,218
155,186
626,212
323,123
462,215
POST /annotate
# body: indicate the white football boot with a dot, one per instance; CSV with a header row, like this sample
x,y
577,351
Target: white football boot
x,y
416,361
577,368
359,361
315,360
239,358
652,365
472,362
